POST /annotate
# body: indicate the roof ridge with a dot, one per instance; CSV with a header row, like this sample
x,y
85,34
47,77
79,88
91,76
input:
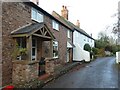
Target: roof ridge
x,y
71,24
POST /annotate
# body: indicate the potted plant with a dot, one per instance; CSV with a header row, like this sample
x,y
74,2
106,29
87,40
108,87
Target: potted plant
x,y
22,53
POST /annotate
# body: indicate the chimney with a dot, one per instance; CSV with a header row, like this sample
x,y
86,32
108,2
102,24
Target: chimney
x,y
36,2
78,23
91,34
64,12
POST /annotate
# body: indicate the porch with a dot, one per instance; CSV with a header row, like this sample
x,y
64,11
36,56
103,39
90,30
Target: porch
x,y
33,42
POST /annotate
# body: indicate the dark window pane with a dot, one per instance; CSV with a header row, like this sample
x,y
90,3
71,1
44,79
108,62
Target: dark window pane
x,y
33,42
33,51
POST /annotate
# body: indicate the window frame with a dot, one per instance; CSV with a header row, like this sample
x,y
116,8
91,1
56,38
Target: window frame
x,y
68,33
55,45
35,14
55,25
21,43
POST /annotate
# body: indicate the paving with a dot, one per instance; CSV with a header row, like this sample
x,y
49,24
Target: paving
x,y
101,73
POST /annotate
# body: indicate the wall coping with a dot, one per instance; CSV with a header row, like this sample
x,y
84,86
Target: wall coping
x,y
50,59
25,62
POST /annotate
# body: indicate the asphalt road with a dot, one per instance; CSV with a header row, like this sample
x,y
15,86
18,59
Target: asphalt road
x,y
101,73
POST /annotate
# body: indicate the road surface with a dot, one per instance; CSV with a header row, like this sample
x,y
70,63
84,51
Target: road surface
x,y
101,73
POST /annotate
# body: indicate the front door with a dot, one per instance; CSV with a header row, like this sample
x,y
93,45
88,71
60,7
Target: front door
x,y
34,49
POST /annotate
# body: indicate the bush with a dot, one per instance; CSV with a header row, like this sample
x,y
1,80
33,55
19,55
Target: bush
x,y
95,51
87,47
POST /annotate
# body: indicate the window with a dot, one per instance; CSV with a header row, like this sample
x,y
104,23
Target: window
x,y
36,15
55,25
88,39
34,48
21,48
68,33
91,40
55,49
85,38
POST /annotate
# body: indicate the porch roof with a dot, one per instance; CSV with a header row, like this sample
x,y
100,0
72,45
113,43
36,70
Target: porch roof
x,y
31,29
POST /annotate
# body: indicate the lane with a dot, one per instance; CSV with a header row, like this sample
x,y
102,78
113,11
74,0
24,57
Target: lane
x,y
101,73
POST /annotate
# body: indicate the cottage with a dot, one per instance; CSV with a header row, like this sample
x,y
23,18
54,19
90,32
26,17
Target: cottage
x,y
36,42
80,37
32,36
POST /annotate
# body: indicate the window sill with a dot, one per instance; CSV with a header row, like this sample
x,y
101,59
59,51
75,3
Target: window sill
x,y
55,29
36,20
55,57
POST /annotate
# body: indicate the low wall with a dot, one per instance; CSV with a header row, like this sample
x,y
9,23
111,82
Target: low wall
x,y
24,71
49,66
79,54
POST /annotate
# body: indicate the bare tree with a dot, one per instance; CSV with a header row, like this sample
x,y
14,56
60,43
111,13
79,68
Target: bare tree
x,y
116,27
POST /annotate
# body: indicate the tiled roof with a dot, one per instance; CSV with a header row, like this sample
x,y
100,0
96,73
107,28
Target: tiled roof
x,y
80,30
46,13
70,24
62,20
28,28
31,29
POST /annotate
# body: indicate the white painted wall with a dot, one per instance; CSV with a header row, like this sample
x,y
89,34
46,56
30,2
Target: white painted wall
x,y
79,54
79,41
82,39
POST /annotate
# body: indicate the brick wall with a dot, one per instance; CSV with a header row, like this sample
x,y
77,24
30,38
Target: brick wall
x,y
24,72
14,15
0,44
61,37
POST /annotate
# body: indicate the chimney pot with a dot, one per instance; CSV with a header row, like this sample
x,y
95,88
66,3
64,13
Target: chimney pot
x,y
64,12
78,23
36,1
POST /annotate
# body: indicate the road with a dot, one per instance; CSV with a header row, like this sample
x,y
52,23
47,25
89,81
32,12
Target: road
x,y
101,73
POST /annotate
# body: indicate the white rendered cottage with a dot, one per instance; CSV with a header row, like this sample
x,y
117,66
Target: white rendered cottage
x,y
80,38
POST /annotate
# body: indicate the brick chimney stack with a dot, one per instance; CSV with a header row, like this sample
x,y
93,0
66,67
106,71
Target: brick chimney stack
x,y
78,23
36,1
64,12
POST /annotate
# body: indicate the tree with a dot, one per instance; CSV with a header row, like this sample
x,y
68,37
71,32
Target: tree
x,y
108,48
103,40
116,26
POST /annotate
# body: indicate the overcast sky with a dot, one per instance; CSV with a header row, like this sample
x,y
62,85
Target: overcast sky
x,y
94,15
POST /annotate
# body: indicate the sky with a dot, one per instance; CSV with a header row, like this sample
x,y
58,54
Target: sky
x,y
94,15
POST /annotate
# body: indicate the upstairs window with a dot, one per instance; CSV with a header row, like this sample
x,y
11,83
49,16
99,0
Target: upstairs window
x,y
68,33
55,25
55,49
35,15
84,38
88,39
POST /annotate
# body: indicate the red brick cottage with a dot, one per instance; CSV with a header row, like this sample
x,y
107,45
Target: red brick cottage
x,y
30,35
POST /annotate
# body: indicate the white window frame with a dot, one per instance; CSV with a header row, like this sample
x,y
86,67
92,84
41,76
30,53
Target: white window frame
x,y
88,39
91,40
35,15
55,25
35,47
68,33
55,44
